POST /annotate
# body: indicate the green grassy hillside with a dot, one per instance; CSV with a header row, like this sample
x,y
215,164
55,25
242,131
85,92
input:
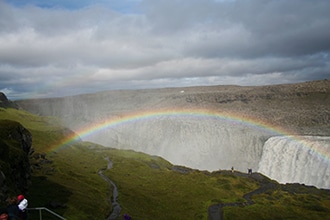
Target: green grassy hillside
x,y
66,180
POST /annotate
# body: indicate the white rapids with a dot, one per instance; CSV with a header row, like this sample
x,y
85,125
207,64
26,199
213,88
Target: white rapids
x,y
303,159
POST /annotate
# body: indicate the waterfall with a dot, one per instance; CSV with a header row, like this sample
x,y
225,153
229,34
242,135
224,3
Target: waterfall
x,y
297,160
211,145
200,144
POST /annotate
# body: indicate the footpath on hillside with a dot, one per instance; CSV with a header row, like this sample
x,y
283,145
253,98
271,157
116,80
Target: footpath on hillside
x,y
215,211
115,205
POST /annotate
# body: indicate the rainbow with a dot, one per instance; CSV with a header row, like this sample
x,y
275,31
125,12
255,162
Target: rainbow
x,y
201,114
183,113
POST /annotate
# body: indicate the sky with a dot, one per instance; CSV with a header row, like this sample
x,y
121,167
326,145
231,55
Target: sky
x,y
55,48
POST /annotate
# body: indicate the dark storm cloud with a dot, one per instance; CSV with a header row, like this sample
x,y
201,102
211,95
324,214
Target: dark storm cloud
x,y
245,28
58,49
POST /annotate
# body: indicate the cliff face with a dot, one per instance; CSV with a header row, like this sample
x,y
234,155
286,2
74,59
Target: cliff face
x,y
15,146
303,107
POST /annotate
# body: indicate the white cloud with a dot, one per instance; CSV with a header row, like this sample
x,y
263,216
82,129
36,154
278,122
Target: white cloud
x,y
47,51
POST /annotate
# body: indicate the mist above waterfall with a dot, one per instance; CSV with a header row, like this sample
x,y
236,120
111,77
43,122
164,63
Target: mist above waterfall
x,y
197,142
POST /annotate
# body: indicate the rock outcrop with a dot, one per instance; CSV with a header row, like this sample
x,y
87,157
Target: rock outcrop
x,y
6,103
15,147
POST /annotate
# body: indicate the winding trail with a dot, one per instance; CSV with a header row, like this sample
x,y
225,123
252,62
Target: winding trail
x,y
215,211
115,205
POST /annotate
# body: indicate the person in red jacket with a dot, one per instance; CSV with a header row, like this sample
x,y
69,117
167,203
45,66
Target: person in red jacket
x,y
22,205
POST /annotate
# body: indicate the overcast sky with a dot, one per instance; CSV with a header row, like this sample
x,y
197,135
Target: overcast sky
x,y
52,48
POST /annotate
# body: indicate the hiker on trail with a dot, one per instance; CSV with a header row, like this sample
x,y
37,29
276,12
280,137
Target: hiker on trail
x,y
22,205
127,217
12,209
249,171
232,169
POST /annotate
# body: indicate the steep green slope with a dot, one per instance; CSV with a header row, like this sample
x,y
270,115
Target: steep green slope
x,y
65,179
53,180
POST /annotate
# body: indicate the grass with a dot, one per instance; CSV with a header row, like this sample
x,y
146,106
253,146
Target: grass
x,y
75,171
170,193
280,204
148,186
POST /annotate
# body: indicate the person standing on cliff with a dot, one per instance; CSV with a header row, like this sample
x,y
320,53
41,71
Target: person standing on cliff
x,y
22,205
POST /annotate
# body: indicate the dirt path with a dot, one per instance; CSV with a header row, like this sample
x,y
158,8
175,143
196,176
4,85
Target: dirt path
x,y
215,211
115,205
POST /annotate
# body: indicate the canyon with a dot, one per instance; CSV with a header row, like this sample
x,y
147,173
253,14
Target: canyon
x,y
281,131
